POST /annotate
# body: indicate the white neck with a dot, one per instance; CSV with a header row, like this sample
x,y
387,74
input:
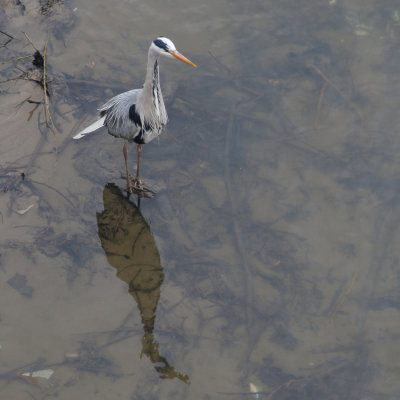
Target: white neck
x,y
150,104
151,74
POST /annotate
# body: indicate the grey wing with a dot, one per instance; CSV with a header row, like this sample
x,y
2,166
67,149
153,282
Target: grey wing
x,y
120,115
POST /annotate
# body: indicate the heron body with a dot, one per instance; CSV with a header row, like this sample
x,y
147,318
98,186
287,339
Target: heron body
x,y
138,115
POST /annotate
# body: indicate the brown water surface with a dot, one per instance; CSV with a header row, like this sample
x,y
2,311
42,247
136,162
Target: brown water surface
x,y
266,267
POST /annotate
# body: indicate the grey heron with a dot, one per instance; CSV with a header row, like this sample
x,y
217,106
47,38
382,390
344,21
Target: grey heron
x,y
138,115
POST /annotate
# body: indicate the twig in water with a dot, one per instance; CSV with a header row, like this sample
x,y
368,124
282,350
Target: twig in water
x,y
328,81
343,298
34,108
284,385
222,65
30,41
321,96
55,190
16,59
236,227
10,38
349,102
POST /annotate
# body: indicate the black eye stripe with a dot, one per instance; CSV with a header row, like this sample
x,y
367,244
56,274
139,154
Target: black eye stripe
x,y
162,45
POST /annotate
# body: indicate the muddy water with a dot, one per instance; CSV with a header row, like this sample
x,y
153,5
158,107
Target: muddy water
x,y
266,266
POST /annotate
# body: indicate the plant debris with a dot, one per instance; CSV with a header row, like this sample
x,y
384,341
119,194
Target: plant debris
x,y
38,60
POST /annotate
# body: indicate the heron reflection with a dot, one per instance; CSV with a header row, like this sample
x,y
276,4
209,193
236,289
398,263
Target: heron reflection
x,y
131,249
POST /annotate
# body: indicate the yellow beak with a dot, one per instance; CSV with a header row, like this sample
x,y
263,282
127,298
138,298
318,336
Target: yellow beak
x,y
181,57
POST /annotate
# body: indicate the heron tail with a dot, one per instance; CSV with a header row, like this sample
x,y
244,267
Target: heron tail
x,y
91,128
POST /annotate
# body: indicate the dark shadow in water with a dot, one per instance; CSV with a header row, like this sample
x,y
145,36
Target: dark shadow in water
x,y
131,249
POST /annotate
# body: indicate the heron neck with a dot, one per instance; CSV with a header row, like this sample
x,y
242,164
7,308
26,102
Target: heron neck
x,y
152,75
150,104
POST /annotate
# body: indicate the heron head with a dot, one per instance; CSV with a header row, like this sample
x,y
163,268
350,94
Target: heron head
x,y
165,47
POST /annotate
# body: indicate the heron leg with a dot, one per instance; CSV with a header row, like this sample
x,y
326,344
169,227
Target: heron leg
x,y
138,183
129,187
139,152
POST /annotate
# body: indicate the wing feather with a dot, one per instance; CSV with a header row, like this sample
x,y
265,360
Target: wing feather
x,y
119,116
91,128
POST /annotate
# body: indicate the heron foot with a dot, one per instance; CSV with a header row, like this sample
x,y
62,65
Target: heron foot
x,y
138,186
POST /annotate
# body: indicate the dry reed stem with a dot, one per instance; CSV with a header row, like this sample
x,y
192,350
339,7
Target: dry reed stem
x,y
46,98
47,113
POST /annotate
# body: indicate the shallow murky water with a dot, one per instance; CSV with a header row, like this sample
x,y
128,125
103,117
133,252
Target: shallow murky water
x,y
266,267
